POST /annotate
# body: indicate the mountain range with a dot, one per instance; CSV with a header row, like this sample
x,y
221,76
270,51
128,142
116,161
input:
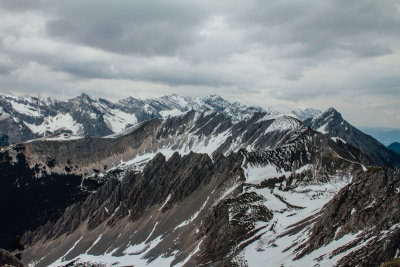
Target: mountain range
x,y
26,118
192,182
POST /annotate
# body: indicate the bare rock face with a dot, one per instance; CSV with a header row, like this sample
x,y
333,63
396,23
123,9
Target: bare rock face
x,y
7,259
368,208
165,187
230,222
332,124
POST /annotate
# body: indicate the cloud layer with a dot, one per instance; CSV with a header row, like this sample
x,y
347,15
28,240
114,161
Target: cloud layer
x,y
281,54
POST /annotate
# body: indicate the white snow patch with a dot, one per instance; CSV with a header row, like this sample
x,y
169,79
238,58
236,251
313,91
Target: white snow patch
x,y
24,109
4,115
61,259
268,250
256,174
323,256
336,139
371,204
270,116
171,113
197,249
59,122
283,124
165,202
136,258
118,120
94,243
152,231
322,128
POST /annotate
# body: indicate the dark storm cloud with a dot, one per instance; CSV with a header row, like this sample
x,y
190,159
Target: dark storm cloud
x,y
131,27
323,28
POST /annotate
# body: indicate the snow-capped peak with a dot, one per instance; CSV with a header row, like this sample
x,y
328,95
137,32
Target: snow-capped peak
x,y
303,114
100,117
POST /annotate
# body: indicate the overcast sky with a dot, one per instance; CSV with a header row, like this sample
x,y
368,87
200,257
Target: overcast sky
x,y
279,54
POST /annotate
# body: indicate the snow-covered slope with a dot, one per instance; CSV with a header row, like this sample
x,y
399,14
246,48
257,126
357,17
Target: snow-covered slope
x,y
208,132
84,116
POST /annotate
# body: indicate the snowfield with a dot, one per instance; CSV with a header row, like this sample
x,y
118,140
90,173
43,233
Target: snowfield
x,y
279,237
53,124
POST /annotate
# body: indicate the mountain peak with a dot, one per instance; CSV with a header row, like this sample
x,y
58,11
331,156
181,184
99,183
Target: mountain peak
x,y
85,97
330,113
331,110
307,113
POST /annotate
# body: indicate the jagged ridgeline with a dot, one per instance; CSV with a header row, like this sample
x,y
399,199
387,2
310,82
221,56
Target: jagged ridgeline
x,y
26,118
197,189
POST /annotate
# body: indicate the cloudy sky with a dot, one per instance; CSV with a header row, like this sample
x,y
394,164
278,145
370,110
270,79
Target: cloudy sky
x,y
279,54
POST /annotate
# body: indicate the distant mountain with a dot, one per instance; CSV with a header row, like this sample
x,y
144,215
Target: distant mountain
x,y
332,124
303,114
26,118
395,147
384,135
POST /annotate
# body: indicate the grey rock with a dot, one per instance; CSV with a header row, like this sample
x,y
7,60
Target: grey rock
x,y
332,124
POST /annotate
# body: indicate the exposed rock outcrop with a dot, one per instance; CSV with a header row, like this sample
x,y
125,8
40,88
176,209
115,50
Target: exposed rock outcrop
x,y
8,259
332,124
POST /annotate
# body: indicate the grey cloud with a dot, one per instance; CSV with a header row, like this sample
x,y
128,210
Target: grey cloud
x,y
288,51
324,28
131,27
21,5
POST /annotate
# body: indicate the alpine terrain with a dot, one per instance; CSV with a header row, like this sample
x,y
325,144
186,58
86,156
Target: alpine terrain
x,y
181,181
25,118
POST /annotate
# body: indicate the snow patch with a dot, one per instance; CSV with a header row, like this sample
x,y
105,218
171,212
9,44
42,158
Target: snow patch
x,y
275,248
171,113
256,174
24,109
59,122
283,124
117,120
322,129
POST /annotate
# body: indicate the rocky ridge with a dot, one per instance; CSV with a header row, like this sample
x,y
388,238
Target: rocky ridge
x,y
27,118
199,189
206,206
206,132
332,124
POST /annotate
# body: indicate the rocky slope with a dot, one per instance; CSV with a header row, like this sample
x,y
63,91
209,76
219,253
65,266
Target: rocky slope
x,y
332,124
26,118
206,132
195,189
363,218
192,209
7,259
59,170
